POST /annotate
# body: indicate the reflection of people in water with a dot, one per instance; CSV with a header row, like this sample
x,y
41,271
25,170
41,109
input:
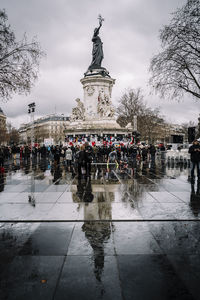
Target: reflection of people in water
x,y
144,168
27,169
43,164
2,180
195,200
57,174
152,170
84,190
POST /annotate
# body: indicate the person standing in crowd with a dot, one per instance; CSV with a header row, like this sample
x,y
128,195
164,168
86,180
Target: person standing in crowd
x,y
194,151
1,157
43,151
144,153
14,152
112,158
162,150
81,161
133,151
89,154
56,154
68,158
152,151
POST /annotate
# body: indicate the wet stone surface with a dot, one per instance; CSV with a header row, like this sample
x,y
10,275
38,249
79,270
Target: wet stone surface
x,y
118,235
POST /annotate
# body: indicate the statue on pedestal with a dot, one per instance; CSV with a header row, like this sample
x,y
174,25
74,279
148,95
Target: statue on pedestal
x,y
97,51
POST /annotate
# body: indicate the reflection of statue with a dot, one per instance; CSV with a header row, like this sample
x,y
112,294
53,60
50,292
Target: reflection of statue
x,y
98,234
104,106
97,52
78,112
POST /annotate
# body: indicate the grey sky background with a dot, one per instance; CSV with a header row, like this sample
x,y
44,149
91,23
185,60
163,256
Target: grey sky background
x,y
64,29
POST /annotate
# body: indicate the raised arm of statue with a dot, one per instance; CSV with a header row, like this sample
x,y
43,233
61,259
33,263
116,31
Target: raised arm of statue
x,y
96,31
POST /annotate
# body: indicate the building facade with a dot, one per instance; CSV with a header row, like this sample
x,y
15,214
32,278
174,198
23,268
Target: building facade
x,y
3,130
49,128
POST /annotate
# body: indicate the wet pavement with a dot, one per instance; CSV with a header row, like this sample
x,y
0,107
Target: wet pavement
x,y
123,234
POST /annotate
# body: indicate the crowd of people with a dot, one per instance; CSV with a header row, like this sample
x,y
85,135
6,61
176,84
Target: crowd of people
x,y
69,153
79,156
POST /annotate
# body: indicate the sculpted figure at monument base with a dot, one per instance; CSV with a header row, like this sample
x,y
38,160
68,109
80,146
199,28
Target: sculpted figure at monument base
x,y
78,112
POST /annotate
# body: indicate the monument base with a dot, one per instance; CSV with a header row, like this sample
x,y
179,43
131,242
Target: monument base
x,y
97,127
96,114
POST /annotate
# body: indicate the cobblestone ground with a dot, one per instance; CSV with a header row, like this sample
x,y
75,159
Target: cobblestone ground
x,y
124,234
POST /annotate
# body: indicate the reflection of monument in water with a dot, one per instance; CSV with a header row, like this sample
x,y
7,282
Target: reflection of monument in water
x,y
96,208
96,114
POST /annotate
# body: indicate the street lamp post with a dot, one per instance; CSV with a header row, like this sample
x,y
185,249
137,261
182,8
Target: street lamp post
x,y
31,111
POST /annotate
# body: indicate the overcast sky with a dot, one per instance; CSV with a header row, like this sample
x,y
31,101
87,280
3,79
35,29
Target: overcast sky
x,y
64,29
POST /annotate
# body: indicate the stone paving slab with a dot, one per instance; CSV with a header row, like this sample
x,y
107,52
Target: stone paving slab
x,y
30,277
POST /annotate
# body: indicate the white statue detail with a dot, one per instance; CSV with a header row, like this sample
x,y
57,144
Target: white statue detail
x,y
90,90
78,112
104,106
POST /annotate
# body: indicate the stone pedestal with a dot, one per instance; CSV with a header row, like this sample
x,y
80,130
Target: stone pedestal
x,y
96,114
97,96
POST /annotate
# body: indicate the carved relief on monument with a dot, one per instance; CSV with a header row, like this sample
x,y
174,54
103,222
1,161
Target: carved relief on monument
x,y
90,90
104,106
78,112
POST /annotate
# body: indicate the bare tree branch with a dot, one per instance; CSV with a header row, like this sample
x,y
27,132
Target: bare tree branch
x,y
176,69
19,61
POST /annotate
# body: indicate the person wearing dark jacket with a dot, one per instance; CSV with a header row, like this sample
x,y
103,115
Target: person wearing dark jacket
x,y
81,161
1,157
152,151
57,154
194,151
89,155
144,153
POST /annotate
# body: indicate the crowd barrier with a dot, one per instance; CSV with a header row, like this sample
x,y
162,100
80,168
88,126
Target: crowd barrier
x,y
177,156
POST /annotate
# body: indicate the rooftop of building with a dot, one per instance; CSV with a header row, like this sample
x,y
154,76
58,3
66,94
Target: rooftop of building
x,y
45,119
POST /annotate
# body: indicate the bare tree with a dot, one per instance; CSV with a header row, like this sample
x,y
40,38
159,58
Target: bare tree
x,y
176,69
131,104
3,136
152,125
13,136
19,61
149,121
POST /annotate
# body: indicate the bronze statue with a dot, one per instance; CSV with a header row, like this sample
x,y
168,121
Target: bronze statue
x,y
97,51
